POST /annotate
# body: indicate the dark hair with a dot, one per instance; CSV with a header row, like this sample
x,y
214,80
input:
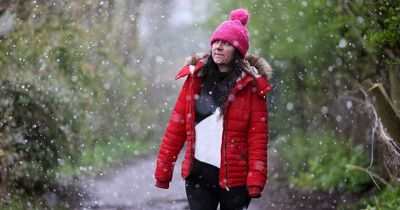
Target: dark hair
x,y
222,88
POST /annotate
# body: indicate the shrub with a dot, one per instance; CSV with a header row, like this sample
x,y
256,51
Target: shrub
x,y
36,138
385,199
319,160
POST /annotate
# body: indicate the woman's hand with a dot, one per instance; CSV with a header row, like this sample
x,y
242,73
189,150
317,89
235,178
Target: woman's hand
x,y
251,70
254,72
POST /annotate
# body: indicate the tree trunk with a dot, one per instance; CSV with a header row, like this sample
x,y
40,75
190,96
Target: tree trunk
x,y
394,78
386,112
390,120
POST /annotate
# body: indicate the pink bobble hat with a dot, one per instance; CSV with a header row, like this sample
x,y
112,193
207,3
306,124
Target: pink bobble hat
x,y
234,31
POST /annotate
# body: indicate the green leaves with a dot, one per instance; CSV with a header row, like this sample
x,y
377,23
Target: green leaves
x,y
35,139
318,161
386,199
64,91
389,33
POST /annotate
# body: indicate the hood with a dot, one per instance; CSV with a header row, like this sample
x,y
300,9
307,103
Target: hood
x,y
259,63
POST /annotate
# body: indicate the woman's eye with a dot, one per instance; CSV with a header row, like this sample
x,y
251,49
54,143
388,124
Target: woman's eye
x,y
225,43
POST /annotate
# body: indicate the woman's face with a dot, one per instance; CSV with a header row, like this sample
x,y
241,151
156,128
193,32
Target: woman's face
x,y
222,52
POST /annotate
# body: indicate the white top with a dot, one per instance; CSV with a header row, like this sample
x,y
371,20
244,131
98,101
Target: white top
x,y
209,139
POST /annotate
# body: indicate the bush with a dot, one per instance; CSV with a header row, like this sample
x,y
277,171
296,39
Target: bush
x,y
36,138
318,161
387,199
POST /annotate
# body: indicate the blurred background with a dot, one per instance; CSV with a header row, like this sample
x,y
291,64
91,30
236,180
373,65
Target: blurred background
x,y
88,85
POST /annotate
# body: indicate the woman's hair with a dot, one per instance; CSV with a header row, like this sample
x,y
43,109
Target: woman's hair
x,y
221,88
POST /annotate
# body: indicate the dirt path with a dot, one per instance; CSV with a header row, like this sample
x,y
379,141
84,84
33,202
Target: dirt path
x,y
132,187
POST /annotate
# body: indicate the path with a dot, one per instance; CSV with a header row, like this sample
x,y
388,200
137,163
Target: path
x,y
132,187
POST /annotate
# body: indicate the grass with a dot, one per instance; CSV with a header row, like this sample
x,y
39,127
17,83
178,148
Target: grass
x,y
100,157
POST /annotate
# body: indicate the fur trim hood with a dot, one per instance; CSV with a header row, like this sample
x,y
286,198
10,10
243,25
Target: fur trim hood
x,y
262,66
196,61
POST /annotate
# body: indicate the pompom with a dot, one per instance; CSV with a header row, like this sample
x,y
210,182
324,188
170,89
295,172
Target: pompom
x,y
240,14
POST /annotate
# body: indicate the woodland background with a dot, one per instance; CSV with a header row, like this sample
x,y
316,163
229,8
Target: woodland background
x,y
85,85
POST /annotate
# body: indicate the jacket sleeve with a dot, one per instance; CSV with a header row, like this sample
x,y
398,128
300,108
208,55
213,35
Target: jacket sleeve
x,y
257,145
173,140
262,86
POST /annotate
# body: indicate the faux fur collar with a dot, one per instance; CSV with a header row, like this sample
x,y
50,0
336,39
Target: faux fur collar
x,y
259,63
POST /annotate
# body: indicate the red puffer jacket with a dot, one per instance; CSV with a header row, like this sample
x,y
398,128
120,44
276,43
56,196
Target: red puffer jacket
x,y
245,131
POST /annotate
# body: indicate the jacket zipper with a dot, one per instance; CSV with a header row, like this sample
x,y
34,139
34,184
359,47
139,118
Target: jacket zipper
x,y
226,117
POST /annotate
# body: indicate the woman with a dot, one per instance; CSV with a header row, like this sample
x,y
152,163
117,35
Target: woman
x,y
221,114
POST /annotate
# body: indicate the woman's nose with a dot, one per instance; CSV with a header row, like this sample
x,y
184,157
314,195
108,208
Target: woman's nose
x,y
219,45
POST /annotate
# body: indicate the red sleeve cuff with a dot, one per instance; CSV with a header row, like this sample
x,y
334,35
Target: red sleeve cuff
x,y
262,86
254,191
162,184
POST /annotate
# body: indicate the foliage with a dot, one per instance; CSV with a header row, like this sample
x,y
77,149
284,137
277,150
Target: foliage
x,y
21,201
318,161
18,199
36,138
387,199
61,87
389,34
74,64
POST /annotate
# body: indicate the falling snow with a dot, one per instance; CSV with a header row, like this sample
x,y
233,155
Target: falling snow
x,y
87,89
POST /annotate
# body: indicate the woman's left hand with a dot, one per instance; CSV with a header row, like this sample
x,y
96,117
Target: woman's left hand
x,y
252,70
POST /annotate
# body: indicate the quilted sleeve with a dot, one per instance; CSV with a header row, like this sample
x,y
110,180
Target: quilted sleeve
x,y
173,140
257,145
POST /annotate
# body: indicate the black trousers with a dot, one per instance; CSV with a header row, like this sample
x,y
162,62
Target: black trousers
x,y
204,193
